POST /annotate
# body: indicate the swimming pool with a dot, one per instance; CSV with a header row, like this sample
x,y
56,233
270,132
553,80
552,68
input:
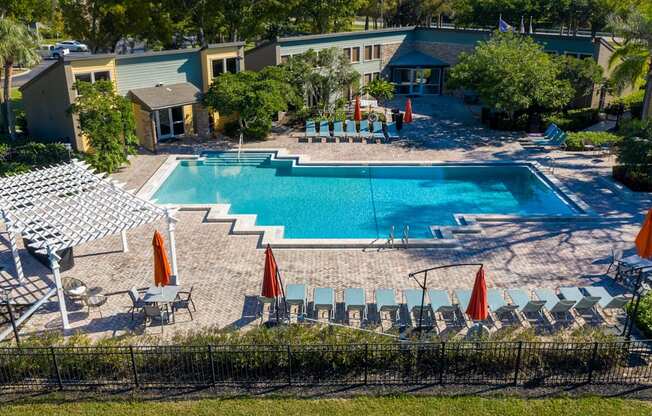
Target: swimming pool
x,y
358,201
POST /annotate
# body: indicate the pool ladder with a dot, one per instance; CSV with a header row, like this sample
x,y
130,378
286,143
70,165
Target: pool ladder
x,y
405,240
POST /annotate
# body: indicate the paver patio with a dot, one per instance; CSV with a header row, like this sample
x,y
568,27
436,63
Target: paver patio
x,y
226,270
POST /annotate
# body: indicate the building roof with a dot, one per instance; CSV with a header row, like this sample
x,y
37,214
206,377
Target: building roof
x,y
416,58
360,33
164,96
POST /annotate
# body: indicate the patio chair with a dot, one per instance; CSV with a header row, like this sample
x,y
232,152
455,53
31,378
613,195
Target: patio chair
x,y
184,301
153,312
556,307
386,303
355,301
137,302
548,134
531,310
558,140
364,130
498,305
584,304
94,302
442,307
324,299
607,302
311,131
324,130
412,299
463,298
378,133
392,132
351,132
616,258
74,289
338,131
295,296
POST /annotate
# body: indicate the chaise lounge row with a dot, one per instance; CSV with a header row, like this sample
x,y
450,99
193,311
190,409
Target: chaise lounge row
x,y
552,137
516,305
346,132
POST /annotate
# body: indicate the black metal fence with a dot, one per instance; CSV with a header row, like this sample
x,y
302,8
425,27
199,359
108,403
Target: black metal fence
x,y
490,363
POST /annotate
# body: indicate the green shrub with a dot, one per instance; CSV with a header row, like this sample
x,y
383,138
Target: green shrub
x,y
643,315
232,129
574,120
632,103
41,154
577,140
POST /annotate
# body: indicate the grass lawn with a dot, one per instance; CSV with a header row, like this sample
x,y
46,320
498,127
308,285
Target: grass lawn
x,y
412,406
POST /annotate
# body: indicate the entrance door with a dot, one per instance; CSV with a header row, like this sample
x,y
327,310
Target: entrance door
x,y
169,122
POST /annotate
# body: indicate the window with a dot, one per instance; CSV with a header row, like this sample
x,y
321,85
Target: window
x,y
578,55
221,66
232,65
367,78
355,54
93,76
368,53
218,67
102,76
347,53
84,77
285,59
376,51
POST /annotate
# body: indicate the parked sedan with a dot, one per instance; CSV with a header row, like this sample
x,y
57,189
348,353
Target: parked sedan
x,y
72,46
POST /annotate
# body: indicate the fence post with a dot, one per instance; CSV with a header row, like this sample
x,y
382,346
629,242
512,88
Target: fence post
x,y
442,366
366,362
289,366
212,361
55,362
594,356
518,362
133,366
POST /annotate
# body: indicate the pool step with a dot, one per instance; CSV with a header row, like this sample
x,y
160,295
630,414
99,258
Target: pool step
x,y
209,162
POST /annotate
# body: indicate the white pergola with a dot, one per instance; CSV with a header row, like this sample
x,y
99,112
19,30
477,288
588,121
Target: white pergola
x,y
66,205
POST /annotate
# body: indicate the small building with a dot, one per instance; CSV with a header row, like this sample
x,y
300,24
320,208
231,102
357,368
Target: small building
x,y
416,59
166,89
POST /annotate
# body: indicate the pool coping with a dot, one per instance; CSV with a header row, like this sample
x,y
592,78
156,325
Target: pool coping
x,y
443,236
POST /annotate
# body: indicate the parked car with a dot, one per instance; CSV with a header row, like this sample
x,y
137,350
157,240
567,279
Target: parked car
x,y
46,51
73,46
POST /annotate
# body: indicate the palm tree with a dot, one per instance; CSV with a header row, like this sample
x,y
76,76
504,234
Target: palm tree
x,y
632,61
18,46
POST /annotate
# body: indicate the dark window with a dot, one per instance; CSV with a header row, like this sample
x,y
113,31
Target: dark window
x,y
102,76
83,77
376,51
232,65
375,75
367,78
368,53
347,53
218,67
355,54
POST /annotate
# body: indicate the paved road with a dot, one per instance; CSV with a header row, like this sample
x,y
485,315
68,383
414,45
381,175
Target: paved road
x,y
20,80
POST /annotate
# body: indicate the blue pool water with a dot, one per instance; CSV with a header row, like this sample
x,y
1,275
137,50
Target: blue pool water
x,y
358,201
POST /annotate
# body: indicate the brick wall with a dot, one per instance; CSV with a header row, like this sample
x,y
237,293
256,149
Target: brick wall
x,y
200,115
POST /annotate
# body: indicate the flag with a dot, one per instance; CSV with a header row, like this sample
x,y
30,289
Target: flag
x,y
503,26
522,25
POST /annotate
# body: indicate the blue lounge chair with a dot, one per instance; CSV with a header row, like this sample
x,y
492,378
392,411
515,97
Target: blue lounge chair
x,y
606,300
584,304
364,129
412,299
392,132
556,306
378,133
530,309
295,295
440,301
550,131
557,140
463,298
351,132
386,302
311,131
355,300
338,131
324,299
324,130
497,303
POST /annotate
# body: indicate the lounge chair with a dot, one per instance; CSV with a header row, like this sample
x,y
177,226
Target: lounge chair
x,y
311,131
412,299
463,298
607,302
584,304
558,140
386,303
324,130
295,295
355,300
548,134
378,133
324,299
497,303
441,305
530,309
392,132
338,131
364,130
556,307
351,132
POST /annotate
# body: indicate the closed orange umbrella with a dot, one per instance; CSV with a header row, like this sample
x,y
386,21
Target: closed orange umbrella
x,y
407,118
271,287
478,309
162,271
357,113
644,237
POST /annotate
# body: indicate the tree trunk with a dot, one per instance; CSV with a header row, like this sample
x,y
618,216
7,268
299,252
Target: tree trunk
x,y
366,23
647,101
9,122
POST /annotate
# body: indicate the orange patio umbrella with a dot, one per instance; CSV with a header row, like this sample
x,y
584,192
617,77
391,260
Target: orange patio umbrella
x,y
407,118
644,237
162,271
478,309
357,113
271,287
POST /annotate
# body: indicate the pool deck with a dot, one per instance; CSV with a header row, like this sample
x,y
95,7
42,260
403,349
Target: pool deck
x,y
226,270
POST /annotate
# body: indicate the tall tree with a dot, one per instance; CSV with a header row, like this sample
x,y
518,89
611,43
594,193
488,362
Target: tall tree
x,y
26,11
632,61
325,16
17,47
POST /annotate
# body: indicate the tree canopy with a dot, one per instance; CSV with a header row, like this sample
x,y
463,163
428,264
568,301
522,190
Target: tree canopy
x,y
512,73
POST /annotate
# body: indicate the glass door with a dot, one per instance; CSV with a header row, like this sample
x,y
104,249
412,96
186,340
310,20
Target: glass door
x,y
170,122
176,114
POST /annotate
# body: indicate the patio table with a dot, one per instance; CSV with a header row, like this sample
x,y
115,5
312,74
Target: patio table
x,y
165,295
